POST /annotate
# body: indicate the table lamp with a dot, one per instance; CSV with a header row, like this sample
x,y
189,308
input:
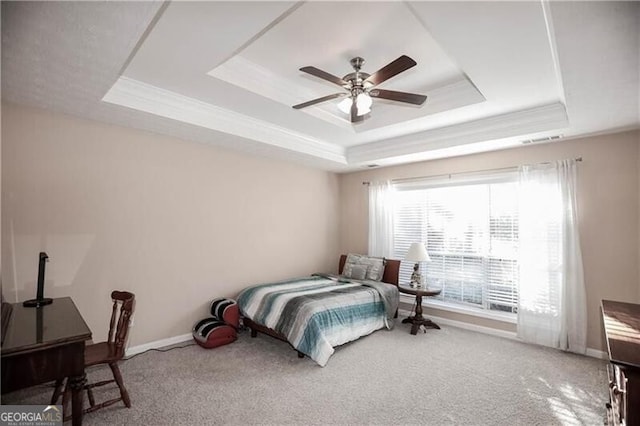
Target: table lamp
x,y
417,253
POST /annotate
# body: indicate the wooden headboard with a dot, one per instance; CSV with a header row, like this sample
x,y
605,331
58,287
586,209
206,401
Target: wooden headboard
x,y
391,269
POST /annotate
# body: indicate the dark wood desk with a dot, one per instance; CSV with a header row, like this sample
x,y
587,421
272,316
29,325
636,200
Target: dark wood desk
x,y
418,320
45,344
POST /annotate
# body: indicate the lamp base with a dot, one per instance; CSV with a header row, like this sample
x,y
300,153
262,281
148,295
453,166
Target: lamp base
x,y
416,278
37,303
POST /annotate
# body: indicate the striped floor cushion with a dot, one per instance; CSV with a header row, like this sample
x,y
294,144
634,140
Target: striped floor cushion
x,y
221,328
213,332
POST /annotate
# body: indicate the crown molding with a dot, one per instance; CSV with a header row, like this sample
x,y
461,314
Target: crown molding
x,y
144,97
141,96
553,48
533,120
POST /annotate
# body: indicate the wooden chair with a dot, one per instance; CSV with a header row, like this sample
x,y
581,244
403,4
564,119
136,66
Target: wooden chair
x,y
109,352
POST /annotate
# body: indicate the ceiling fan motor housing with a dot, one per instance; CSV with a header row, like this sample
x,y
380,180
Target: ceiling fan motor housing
x,y
357,79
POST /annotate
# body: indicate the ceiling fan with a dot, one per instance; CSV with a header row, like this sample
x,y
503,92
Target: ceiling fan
x,y
361,87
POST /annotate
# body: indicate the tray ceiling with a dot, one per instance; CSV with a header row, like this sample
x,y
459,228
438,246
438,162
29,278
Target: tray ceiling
x,y
227,73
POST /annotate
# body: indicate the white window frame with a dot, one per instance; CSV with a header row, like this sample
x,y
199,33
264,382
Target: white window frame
x,y
462,179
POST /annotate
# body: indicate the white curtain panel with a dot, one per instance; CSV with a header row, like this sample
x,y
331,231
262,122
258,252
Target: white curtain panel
x,y
381,222
552,301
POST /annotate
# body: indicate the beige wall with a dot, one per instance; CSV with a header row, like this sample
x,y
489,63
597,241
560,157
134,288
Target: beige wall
x,y
608,200
179,223
175,222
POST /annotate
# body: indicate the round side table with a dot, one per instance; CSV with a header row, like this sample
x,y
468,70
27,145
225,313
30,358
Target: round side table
x,y
418,320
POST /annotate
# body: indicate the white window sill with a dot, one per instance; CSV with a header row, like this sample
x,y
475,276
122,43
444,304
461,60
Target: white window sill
x,y
461,309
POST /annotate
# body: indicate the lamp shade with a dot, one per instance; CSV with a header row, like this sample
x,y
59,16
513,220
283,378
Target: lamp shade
x,y
417,253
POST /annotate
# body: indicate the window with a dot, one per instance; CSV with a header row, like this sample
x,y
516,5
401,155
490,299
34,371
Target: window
x,y
471,231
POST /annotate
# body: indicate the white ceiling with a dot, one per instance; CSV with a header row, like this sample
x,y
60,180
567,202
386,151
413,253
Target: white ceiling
x,y
226,73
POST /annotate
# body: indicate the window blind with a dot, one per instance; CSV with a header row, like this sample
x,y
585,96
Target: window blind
x,y
471,234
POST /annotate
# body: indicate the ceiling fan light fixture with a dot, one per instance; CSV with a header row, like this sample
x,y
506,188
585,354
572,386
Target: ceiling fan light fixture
x,y
363,104
345,105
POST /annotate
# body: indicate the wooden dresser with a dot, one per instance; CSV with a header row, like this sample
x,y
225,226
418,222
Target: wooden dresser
x,y
622,329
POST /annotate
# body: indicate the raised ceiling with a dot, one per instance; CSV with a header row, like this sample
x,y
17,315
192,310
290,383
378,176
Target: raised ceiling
x,y
227,73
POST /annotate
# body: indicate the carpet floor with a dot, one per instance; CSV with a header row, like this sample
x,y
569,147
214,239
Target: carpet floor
x,y
448,376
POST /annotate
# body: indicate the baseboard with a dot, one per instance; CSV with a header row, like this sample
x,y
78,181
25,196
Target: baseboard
x,y
468,326
593,353
134,350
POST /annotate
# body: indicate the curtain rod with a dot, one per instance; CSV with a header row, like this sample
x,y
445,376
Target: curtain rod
x,y
366,182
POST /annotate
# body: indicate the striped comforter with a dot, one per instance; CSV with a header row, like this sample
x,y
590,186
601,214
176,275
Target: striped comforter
x,y
318,313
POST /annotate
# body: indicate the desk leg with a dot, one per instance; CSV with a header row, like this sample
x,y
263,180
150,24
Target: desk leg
x,y
76,383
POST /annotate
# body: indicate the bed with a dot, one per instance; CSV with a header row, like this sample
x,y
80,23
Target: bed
x,y
315,314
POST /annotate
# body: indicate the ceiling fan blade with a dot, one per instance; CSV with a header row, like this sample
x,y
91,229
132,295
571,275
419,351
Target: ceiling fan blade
x,y
392,69
355,118
392,95
319,100
324,75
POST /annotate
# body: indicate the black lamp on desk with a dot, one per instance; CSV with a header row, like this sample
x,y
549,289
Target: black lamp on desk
x,y
40,300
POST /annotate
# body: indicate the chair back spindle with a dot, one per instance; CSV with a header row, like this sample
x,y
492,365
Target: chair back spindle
x,y
114,313
120,316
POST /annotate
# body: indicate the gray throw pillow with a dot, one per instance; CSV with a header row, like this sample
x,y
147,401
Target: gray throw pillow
x,y
373,266
352,259
376,268
358,272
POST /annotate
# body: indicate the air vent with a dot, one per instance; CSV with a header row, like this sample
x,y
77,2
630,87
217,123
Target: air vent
x,y
539,140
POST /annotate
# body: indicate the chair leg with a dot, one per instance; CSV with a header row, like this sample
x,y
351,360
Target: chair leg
x,y
66,396
123,390
92,401
57,391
